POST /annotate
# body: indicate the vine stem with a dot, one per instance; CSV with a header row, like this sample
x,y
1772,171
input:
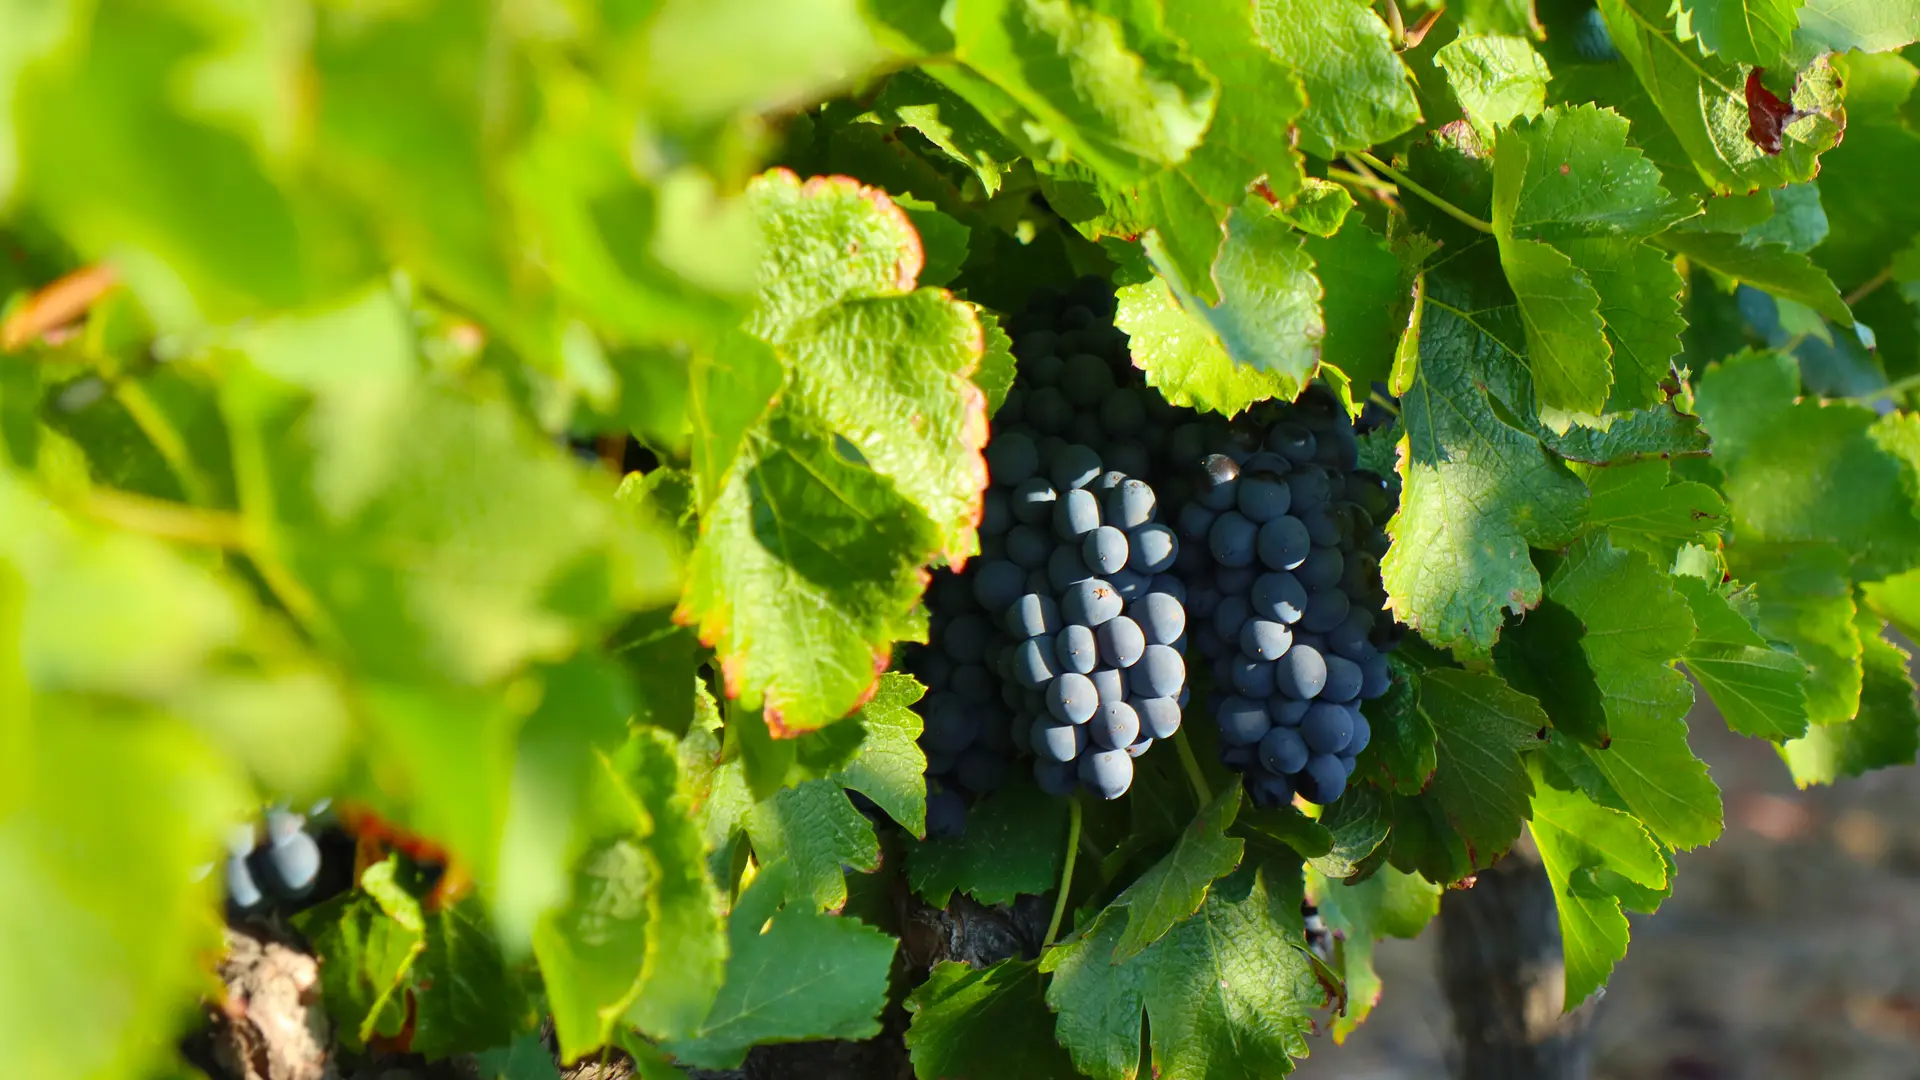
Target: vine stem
x,y
1868,287
1439,203
1191,765
1066,872
1892,389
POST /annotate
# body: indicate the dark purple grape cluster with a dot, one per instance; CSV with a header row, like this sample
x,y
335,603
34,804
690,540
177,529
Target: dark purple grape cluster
x,y
1283,535
274,862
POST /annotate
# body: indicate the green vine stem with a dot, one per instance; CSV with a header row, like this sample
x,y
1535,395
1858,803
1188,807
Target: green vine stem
x,y
1191,764
1066,872
1439,203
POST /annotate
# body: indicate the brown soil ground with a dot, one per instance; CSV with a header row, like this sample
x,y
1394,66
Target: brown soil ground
x,y
1790,949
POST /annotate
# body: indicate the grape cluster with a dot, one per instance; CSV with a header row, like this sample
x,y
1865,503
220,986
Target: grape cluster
x,y
281,865
1284,534
965,724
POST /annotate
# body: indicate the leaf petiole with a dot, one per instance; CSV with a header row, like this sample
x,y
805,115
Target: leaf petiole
x,y
1066,872
1439,203
1201,792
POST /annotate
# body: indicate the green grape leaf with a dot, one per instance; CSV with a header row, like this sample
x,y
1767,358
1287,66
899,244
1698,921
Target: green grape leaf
x,y
890,768
1760,690
915,100
1757,33
1261,341
1227,992
792,974
466,994
1358,91
1660,431
1884,732
1367,301
1806,601
1643,497
1869,222
1639,292
1477,490
1496,78
1498,17
1567,347
1581,843
988,1022
817,831
1774,268
1388,904
1847,25
1320,207
1703,100
525,1058
1833,482
1637,626
1358,822
1541,656
1174,888
1570,173
886,366
1401,756
1482,728
1115,88
1013,845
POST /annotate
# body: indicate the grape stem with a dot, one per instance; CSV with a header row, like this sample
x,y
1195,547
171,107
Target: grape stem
x,y
1439,203
1191,764
1066,872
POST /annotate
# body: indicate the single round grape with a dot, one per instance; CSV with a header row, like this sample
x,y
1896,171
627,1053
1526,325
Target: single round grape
x,y
1034,663
1072,698
1107,773
1341,451
1160,616
1076,467
1240,758
1130,585
1195,522
1065,566
1262,496
1048,410
1219,485
996,512
1325,610
998,584
1076,317
1376,677
1202,601
1130,457
1032,501
1242,722
973,682
1283,751
1283,543
1011,458
1279,597
1114,726
1160,673
1013,408
966,637
1088,380
1104,549
1076,649
1350,639
1369,493
1328,778
242,890
1321,569
1301,673
946,814
1055,777
934,668
1105,483
1045,369
1123,414
1154,547
1159,716
1130,505
1233,538
1311,488
1328,728
1228,616
1362,734
293,862
950,725
1262,461
1286,711
241,840
1076,514
1028,547
1264,639
1032,615
1168,585
1252,678
1121,642
1292,442
1344,680
1109,683
1090,602
1362,574
939,764
1086,431
1322,529
1055,741
1269,792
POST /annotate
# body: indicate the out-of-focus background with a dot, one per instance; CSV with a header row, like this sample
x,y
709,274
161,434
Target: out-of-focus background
x,y
1789,951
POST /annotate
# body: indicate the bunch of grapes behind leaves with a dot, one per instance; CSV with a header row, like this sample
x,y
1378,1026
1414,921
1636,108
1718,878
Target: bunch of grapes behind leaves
x,y
275,861
1283,534
1066,638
